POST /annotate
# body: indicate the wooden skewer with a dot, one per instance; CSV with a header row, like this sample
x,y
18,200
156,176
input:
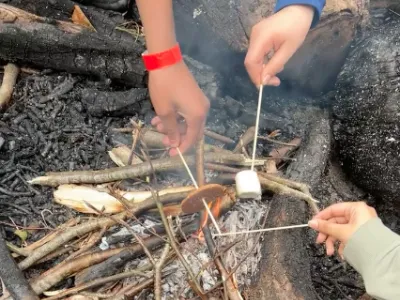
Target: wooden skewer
x,y
197,187
262,230
257,125
187,168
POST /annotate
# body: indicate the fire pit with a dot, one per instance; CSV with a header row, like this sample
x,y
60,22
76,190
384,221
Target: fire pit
x,y
92,207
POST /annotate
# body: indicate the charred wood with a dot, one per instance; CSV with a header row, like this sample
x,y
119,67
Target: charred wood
x,y
105,103
68,47
117,5
285,264
112,265
13,278
104,21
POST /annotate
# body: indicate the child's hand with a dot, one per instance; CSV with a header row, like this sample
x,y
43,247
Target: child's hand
x,y
283,33
172,90
338,222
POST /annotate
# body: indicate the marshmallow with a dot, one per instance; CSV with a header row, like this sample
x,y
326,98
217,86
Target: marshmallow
x,y
247,184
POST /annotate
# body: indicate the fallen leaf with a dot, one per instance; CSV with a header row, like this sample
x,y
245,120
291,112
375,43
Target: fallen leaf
x,y
22,234
79,18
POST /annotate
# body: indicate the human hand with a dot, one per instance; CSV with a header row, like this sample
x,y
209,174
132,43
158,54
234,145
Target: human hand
x,y
175,94
282,33
339,221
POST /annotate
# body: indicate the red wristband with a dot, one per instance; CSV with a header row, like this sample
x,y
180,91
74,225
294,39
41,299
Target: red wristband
x,y
162,59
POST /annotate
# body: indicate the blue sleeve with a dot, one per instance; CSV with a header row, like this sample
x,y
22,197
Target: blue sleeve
x,y
318,6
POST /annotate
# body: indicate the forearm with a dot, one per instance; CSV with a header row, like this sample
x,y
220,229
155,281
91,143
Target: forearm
x,y
158,22
374,251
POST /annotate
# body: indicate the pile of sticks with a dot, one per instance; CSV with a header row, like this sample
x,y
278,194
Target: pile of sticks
x,y
95,272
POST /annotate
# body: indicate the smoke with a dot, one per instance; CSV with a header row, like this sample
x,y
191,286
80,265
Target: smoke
x,y
199,42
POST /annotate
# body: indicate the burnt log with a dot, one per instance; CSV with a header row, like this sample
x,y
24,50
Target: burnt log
x,y
285,266
104,21
367,109
117,5
105,103
13,278
207,29
28,39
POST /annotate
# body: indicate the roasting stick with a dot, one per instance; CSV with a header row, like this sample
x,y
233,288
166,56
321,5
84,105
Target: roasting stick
x,y
247,182
256,126
252,169
197,187
262,230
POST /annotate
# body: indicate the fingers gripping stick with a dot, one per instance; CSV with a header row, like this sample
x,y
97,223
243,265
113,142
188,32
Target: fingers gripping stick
x,y
247,182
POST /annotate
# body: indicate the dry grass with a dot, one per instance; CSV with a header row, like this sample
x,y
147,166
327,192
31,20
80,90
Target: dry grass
x,y
132,28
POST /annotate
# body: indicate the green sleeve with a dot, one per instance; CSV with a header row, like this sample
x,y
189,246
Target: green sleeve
x,y
374,251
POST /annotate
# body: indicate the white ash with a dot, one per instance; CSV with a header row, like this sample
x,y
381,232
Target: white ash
x,y
244,216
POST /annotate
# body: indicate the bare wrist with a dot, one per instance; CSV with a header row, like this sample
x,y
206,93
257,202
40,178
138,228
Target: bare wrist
x,y
160,44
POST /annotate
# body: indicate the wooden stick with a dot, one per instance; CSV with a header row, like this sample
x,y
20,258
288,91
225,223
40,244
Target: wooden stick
x,y
197,187
187,168
218,137
245,139
257,124
262,230
139,170
11,72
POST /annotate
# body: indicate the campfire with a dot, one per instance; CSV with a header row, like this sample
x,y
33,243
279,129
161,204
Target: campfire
x,y
100,210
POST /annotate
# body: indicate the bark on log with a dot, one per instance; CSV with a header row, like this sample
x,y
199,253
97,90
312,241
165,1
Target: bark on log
x,y
207,28
13,278
285,266
30,39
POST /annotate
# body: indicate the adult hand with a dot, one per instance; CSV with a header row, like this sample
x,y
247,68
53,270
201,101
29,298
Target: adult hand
x,y
339,221
175,94
282,33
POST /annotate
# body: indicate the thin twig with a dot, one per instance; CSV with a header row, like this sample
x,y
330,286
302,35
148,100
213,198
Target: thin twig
x,y
229,288
244,140
170,233
157,272
200,162
65,237
218,137
392,11
102,281
130,291
276,142
92,241
126,225
136,134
